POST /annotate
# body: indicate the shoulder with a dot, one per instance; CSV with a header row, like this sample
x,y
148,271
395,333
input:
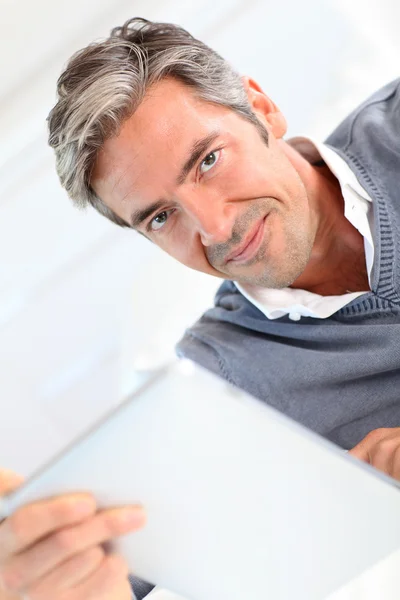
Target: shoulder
x,y
378,114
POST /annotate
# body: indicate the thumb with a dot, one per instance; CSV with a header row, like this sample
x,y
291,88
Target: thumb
x,y
9,481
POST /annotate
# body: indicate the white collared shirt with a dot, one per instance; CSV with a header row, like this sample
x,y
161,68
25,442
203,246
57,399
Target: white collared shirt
x,y
298,303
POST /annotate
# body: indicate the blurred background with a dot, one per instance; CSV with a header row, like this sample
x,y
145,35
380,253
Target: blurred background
x,y
83,303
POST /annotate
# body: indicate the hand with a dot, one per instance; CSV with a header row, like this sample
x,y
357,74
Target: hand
x,y
52,549
381,449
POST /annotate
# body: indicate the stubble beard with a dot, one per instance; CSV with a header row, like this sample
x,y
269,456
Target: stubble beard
x,y
272,272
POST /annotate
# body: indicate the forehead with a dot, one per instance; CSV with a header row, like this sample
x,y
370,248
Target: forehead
x,y
159,134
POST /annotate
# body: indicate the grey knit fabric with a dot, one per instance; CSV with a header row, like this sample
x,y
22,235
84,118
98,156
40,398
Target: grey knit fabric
x,y
140,588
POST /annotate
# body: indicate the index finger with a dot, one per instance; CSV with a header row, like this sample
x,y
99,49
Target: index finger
x,y
35,521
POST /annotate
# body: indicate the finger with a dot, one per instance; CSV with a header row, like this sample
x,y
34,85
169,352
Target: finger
x,y
110,580
363,450
68,574
396,464
27,567
34,521
9,481
382,454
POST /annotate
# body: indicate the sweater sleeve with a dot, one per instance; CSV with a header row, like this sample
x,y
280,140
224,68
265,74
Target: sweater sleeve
x,y
140,588
191,346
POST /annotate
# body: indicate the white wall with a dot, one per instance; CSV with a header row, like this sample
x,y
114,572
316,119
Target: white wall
x,y
81,299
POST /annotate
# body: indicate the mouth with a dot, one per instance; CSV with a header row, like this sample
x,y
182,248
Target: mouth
x,y
249,248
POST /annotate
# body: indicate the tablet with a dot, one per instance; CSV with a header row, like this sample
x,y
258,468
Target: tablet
x,y
242,502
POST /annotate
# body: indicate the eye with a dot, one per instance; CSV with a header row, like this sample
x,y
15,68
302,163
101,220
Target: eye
x,y
209,161
159,220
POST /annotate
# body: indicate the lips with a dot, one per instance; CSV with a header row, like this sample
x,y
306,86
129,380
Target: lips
x,y
250,246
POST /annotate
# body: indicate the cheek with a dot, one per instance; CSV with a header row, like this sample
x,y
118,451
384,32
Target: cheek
x,y
246,178
185,246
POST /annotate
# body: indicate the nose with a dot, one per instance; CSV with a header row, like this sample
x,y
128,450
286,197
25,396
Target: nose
x,y
212,217
214,230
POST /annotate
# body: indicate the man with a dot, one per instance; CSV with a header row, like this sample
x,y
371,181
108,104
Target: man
x,y
158,133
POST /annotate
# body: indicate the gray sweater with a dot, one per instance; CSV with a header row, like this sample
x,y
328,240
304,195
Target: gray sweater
x,y
339,376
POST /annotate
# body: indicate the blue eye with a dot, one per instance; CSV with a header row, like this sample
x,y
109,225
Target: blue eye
x,y
159,220
209,161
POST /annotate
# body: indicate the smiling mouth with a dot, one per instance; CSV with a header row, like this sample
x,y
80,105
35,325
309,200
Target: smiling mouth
x,y
251,245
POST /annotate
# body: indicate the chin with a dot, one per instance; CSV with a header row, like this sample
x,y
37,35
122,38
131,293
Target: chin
x,y
278,277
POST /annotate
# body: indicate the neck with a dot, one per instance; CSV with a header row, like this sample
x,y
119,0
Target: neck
x,y
337,262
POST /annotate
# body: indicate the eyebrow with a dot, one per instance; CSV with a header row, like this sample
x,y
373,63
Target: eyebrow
x,y
138,216
198,149
196,152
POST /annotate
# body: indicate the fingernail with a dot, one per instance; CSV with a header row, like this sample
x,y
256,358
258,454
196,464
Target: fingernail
x,y
9,481
10,476
131,516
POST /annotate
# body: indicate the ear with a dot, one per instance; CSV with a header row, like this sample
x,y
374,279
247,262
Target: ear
x,y
264,108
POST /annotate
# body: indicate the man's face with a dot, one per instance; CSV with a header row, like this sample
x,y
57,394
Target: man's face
x,y
200,182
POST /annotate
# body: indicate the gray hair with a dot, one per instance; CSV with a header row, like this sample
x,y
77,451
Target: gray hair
x,y
104,83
